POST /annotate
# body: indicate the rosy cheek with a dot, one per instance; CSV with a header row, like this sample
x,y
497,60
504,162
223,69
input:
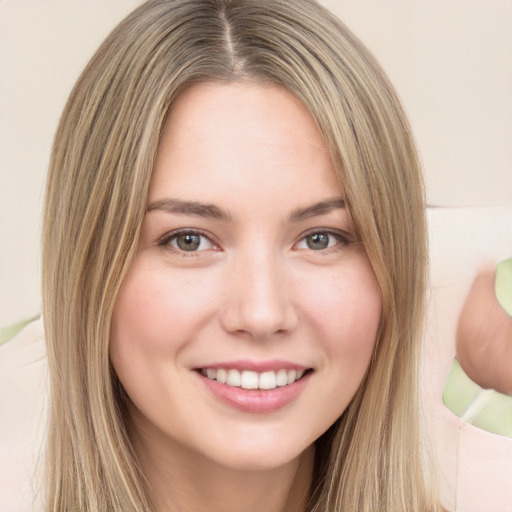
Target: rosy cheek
x,y
348,311
157,306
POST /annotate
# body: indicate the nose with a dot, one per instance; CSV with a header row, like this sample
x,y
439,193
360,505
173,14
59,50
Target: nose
x,y
258,301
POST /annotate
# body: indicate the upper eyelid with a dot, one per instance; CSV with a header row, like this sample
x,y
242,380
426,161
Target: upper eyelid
x,y
176,232
349,239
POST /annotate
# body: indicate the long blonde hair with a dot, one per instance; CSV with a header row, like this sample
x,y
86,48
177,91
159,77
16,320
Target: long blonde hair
x,y
99,175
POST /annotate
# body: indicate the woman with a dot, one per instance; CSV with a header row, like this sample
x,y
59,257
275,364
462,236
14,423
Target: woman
x,y
233,270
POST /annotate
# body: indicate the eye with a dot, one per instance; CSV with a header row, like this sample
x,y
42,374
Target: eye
x,y
321,240
186,242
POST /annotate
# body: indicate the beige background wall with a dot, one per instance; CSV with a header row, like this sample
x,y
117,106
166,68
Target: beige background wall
x,y
451,61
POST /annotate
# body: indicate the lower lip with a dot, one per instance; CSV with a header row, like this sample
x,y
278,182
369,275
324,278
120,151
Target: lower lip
x,y
256,400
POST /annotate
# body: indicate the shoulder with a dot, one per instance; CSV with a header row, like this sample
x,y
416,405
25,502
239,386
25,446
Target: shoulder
x,y
23,401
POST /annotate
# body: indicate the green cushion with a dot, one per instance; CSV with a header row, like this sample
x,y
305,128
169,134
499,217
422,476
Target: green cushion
x,y
485,409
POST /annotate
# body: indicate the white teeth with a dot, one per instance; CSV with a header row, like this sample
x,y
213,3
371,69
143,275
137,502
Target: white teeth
x,y
253,380
282,378
268,380
249,380
222,375
233,378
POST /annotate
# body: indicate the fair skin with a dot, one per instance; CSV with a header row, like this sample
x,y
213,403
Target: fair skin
x,y
247,269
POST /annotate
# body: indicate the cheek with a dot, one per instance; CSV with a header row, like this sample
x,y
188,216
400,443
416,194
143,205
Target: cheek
x,y
342,318
345,318
157,313
157,310
347,309
136,334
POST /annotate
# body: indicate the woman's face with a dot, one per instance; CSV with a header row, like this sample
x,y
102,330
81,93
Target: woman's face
x,y
248,319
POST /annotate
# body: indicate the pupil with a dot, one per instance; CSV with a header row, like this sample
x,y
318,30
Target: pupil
x,y
188,242
318,241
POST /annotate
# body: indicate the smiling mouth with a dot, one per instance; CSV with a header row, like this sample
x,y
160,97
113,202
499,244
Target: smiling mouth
x,y
248,379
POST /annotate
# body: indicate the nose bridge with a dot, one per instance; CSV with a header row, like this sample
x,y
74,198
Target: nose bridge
x,y
259,301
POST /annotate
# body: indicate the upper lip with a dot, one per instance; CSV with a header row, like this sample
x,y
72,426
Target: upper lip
x,y
256,366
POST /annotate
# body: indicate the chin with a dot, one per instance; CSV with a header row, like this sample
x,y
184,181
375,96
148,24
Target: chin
x,y
258,454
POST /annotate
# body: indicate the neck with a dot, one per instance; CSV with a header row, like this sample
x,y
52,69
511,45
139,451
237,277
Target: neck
x,y
182,480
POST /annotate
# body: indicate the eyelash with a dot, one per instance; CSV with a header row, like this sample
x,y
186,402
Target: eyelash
x,y
165,241
343,239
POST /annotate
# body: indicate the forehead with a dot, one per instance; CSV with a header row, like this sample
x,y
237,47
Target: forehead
x,y
241,138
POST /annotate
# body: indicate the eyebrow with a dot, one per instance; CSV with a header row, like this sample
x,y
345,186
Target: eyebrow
x,y
214,212
190,208
321,208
